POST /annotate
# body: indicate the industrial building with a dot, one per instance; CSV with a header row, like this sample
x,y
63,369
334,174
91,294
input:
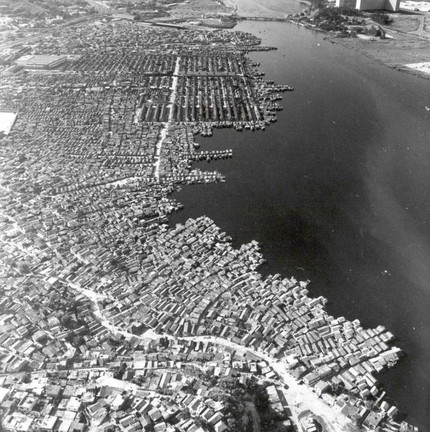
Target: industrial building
x,y
30,61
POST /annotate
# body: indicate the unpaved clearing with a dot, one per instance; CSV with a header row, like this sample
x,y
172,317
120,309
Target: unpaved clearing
x,y
265,9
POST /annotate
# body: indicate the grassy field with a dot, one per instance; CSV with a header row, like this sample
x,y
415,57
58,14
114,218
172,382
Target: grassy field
x,y
405,23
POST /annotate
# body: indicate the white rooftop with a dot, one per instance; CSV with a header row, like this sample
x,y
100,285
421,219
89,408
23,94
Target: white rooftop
x,y
38,59
7,119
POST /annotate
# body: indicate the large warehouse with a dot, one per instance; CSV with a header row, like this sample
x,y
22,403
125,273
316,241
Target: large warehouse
x,y
30,61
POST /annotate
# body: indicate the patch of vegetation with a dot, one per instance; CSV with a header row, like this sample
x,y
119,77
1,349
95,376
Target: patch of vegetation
x,y
269,418
335,19
381,18
328,12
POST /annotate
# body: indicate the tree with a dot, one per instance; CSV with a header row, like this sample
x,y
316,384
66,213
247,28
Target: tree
x,y
23,268
119,371
381,18
250,424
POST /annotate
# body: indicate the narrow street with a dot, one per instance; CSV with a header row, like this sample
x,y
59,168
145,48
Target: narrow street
x,y
299,396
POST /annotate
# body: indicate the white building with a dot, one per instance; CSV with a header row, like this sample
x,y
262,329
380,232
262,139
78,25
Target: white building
x,y
390,5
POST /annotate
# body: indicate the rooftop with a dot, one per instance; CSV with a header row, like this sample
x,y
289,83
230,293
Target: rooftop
x,y
38,60
7,119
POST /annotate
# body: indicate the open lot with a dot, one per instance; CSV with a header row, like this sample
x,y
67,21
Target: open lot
x,y
198,8
266,9
422,6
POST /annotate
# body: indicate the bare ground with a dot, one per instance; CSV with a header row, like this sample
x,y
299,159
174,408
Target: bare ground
x,y
266,8
402,49
198,8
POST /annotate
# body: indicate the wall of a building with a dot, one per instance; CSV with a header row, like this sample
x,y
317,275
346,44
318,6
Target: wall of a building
x,y
370,4
348,4
392,5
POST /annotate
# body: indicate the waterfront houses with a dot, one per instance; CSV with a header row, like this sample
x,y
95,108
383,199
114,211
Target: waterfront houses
x,y
111,320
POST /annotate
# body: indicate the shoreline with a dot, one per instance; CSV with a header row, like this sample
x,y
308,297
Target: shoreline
x,y
206,270
403,46
334,39
237,239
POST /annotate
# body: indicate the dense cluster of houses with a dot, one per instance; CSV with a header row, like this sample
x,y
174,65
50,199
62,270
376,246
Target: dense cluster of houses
x,y
144,384
89,266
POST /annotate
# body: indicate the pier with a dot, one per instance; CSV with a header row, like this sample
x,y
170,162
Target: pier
x,y
243,18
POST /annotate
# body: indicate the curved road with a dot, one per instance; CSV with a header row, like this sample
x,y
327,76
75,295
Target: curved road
x,y
299,396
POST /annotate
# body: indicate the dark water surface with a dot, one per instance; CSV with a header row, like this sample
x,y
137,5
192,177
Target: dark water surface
x,y
338,192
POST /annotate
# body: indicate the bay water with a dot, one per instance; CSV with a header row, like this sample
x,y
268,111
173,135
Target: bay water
x,y
337,191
